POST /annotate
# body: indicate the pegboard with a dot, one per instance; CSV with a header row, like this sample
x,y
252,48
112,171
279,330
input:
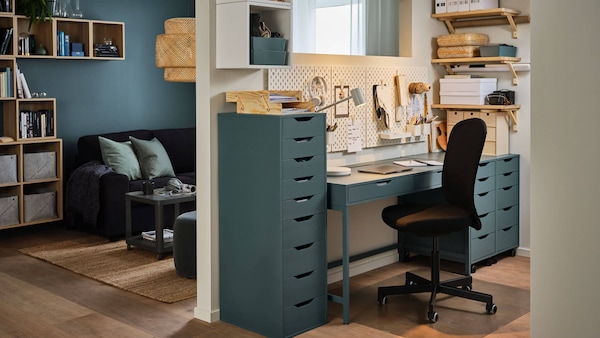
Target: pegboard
x,y
298,76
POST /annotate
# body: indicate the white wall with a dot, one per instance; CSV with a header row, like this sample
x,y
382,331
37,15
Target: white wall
x,y
565,185
366,228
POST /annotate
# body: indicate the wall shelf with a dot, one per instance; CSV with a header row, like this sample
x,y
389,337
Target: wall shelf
x,y
448,63
510,110
484,17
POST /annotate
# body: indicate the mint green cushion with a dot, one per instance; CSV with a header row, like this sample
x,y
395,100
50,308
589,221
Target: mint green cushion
x,y
153,158
120,157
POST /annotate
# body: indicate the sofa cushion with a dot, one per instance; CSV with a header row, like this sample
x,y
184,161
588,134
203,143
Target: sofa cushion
x,y
153,158
88,147
120,157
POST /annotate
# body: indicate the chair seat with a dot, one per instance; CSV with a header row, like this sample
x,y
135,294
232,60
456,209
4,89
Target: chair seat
x,y
427,220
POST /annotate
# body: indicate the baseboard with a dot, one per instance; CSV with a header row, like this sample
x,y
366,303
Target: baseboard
x,y
364,265
209,317
525,252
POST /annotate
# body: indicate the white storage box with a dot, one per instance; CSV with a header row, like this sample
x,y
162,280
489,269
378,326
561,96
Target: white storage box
x,y
463,5
8,168
39,206
9,210
451,6
440,6
462,98
482,4
39,166
482,86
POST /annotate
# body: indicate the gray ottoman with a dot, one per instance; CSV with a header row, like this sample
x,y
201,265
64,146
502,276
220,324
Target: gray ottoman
x,y
184,244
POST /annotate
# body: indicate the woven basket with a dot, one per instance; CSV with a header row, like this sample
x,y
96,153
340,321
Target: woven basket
x,y
176,50
458,52
464,39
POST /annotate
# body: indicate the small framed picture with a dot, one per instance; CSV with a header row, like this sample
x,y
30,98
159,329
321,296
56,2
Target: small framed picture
x,y
341,92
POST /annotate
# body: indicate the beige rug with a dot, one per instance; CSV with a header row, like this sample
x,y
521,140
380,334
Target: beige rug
x,y
134,270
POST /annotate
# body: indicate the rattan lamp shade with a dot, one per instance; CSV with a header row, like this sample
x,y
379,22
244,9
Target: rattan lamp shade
x,y
176,50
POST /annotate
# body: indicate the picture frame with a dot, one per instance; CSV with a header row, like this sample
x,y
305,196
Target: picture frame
x,y
340,93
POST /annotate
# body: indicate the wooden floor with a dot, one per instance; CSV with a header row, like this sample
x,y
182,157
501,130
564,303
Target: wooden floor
x,y
38,299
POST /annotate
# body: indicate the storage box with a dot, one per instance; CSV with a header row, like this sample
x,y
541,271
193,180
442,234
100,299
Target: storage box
x,y
267,57
39,206
8,168
463,5
440,6
498,50
462,98
39,166
275,44
458,52
451,6
482,4
462,39
9,210
479,86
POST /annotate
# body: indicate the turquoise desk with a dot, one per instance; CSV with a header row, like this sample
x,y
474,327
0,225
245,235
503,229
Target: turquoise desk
x,y
496,199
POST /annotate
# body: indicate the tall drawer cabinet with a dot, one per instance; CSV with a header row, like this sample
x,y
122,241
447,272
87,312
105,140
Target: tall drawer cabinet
x,y
272,222
497,203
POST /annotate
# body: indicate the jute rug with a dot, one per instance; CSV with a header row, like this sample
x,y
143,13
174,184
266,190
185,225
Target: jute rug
x,y
405,315
134,270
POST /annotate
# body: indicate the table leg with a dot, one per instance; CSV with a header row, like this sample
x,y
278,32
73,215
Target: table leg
x,y
158,226
345,268
128,221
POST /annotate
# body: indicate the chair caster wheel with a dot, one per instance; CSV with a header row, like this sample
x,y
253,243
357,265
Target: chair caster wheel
x,y
467,287
432,317
382,301
491,308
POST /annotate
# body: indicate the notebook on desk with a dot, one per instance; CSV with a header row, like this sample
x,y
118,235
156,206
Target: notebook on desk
x,y
383,169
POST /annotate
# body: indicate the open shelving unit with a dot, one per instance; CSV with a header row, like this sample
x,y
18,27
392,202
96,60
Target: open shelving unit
x,y
483,17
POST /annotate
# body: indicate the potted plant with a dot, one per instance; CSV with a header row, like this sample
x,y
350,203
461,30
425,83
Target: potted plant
x,y
36,10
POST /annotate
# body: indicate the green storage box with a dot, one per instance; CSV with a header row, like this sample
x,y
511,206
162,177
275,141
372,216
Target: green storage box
x,y
498,50
274,44
267,57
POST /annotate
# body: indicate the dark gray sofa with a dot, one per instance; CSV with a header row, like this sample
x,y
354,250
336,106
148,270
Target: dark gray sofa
x,y
180,145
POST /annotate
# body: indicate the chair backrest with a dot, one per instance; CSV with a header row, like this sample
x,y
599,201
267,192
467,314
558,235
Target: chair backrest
x,y
461,161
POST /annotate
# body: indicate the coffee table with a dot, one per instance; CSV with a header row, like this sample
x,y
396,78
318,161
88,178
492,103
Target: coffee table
x,y
159,246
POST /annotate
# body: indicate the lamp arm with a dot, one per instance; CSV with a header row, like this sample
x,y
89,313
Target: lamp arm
x,y
333,104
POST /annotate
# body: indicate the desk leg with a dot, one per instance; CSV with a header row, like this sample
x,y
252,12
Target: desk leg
x,y
128,221
158,226
345,268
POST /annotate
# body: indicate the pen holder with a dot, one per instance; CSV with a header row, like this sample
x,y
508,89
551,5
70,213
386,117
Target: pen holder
x,y
330,138
148,187
425,128
414,129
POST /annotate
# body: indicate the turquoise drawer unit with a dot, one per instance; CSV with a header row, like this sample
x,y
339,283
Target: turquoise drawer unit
x,y
428,180
273,222
507,205
482,247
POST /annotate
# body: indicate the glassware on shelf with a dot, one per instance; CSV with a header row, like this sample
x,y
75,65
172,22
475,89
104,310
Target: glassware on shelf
x,y
77,13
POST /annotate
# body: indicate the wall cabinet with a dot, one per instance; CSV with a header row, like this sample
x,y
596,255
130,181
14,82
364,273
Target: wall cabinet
x,y
233,30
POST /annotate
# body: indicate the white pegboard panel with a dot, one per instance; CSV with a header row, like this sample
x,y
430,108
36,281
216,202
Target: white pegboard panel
x,y
352,77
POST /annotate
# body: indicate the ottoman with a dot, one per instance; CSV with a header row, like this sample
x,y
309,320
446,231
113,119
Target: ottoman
x,y
184,244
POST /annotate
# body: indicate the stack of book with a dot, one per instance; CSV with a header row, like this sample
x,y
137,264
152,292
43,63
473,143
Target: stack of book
x,y
6,82
151,235
36,123
6,37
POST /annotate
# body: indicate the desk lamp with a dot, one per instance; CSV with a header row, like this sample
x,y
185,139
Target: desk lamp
x,y
358,97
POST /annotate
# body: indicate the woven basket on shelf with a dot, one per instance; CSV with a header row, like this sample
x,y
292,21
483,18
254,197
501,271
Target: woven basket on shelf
x,y
176,50
458,52
463,39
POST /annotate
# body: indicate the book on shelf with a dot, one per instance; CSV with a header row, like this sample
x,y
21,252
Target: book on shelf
x,y
26,92
151,235
36,123
6,40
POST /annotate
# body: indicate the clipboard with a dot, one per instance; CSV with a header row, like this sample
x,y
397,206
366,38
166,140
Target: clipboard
x,y
383,169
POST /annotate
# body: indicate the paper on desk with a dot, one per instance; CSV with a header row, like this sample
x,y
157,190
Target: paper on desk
x,y
418,163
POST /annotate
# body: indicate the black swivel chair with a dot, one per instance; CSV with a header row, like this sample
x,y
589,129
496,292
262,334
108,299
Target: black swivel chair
x,y
458,180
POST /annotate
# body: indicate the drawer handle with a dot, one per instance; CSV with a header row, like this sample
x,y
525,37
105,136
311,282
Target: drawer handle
x,y
483,194
507,229
304,303
507,209
303,159
483,179
482,237
507,174
507,188
304,246
303,119
304,275
303,140
303,179
303,199
483,164
484,215
303,219
383,183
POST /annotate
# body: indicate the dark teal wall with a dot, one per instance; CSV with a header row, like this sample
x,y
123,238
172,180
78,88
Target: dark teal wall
x,y
105,96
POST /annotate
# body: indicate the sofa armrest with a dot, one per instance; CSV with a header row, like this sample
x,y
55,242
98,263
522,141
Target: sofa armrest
x,y
111,215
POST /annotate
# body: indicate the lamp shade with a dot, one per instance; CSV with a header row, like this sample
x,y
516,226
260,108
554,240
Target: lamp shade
x,y
358,97
176,50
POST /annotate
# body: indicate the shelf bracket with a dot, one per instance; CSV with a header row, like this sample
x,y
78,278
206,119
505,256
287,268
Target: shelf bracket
x,y
449,68
515,80
513,117
451,28
511,21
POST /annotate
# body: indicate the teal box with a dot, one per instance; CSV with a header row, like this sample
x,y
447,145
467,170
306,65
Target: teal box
x,y
274,44
267,57
498,50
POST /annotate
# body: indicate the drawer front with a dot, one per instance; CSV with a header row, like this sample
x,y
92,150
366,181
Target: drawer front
x,y
453,117
507,165
471,115
507,238
303,259
304,316
485,202
507,179
506,197
485,184
299,231
489,148
304,206
483,246
486,169
507,217
303,146
488,225
491,134
303,126
305,286
378,189
489,118
303,166
428,180
304,186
